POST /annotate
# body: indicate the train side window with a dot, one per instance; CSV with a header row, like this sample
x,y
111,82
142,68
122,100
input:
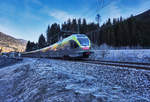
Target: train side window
x,y
73,44
66,45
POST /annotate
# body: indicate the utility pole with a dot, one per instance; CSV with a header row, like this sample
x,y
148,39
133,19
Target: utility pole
x,y
98,19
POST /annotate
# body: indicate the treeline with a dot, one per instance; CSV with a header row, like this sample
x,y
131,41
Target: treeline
x,y
118,32
129,32
34,46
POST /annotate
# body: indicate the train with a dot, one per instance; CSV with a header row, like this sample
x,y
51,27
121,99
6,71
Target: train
x,y
73,46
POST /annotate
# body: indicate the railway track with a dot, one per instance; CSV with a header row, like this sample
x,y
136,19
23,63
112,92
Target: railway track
x,y
133,65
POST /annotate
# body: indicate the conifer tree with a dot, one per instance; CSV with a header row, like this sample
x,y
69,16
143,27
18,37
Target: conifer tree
x,y
41,41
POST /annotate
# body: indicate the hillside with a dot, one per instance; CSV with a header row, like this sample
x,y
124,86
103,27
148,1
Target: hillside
x,y
8,43
144,17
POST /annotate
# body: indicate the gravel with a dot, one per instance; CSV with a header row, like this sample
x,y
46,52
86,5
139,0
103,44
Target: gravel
x,y
45,80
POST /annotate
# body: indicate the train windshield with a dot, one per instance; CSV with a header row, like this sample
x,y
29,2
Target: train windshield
x,y
83,41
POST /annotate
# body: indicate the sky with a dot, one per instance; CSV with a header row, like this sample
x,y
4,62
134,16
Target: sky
x,y
27,19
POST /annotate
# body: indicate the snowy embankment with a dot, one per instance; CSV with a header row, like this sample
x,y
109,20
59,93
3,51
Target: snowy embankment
x,y
5,61
45,80
136,55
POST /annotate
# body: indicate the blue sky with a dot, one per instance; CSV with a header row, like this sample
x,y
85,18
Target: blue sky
x,y
27,19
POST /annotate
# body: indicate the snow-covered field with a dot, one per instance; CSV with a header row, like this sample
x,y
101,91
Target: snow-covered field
x,y
136,55
45,80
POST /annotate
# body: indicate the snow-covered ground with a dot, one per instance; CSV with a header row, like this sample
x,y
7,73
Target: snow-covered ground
x,y
5,61
45,80
136,55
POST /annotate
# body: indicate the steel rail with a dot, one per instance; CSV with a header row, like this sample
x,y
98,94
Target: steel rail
x,y
133,65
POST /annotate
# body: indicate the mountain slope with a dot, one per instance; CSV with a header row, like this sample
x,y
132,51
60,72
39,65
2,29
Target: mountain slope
x,y
144,17
8,43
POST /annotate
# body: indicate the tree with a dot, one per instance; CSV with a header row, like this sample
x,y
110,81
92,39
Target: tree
x,y
41,41
48,32
84,27
64,26
54,33
74,25
79,25
68,25
28,47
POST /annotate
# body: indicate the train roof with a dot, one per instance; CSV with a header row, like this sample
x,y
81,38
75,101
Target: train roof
x,y
74,35
79,35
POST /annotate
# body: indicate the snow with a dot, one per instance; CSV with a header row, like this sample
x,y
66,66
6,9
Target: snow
x,y
136,55
48,80
5,61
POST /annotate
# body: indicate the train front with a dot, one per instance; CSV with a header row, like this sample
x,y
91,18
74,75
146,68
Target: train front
x,y
85,45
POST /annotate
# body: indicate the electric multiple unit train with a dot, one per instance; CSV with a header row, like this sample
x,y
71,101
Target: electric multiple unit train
x,y
76,45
